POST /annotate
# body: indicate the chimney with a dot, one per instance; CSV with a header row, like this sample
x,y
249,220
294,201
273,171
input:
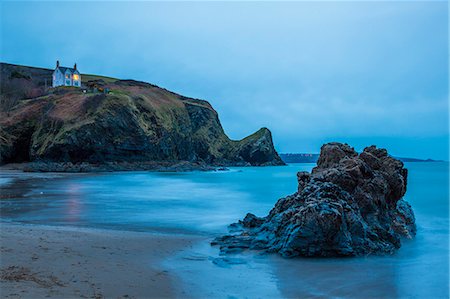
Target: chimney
x,y
75,66
57,63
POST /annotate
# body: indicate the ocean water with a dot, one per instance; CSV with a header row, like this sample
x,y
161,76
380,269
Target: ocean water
x,y
200,202
204,203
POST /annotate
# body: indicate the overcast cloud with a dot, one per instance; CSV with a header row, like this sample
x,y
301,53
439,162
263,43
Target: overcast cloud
x,y
358,72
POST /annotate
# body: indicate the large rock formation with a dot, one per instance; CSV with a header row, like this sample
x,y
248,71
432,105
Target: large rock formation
x,y
350,204
135,122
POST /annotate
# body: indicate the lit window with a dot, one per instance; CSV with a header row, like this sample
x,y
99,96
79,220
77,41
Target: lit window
x,y
67,76
76,77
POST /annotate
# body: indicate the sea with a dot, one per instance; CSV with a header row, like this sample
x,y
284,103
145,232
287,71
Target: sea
x,y
205,203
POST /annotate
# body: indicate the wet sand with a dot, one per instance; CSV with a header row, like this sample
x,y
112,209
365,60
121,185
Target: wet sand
x,y
63,262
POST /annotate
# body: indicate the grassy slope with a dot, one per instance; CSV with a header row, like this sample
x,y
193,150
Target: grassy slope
x,y
142,108
88,77
135,118
40,74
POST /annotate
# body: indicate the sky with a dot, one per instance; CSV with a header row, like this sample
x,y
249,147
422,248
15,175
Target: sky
x,y
312,72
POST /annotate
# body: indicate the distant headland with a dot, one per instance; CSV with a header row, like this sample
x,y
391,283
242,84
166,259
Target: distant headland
x,y
312,158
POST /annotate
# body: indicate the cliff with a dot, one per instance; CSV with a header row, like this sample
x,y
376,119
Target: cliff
x,y
135,122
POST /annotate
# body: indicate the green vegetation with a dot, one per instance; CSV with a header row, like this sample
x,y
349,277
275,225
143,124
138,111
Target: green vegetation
x,y
119,92
88,77
19,75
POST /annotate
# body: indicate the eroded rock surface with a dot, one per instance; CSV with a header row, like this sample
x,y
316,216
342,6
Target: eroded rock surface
x,y
349,205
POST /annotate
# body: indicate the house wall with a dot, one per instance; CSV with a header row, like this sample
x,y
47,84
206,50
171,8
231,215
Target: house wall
x,y
66,79
77,83
58,78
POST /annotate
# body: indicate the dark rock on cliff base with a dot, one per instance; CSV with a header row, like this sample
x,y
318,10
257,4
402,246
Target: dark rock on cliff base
x,y
114,166
350,205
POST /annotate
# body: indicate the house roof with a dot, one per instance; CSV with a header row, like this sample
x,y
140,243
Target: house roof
x,y
63,69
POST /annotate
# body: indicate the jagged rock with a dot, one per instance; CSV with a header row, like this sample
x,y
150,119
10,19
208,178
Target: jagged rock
x,y
251,220
350,205
257,149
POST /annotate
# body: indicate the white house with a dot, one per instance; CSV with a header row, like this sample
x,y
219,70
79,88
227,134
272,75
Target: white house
x,y
65,76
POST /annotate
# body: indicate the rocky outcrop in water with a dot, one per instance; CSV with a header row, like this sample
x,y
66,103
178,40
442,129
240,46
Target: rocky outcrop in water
x,y
349,205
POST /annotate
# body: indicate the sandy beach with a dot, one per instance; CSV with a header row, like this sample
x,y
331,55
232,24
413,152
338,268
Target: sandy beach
x,y
63,262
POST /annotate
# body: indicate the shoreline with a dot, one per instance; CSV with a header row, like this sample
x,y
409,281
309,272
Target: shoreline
x,y
59,261
156,166
85,167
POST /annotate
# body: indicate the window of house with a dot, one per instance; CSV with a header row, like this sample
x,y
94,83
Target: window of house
x,y
76,77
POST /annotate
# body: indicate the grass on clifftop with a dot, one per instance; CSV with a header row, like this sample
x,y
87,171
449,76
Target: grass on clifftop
x,y
88,77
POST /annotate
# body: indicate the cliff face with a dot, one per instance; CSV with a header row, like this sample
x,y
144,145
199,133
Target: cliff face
x,y
351,204
134,122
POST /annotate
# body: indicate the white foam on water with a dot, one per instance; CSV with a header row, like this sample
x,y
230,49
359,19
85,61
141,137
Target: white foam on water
x,y
5,181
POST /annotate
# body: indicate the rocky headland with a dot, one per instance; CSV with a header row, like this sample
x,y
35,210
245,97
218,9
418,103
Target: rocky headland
x,y
349,205
129,125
